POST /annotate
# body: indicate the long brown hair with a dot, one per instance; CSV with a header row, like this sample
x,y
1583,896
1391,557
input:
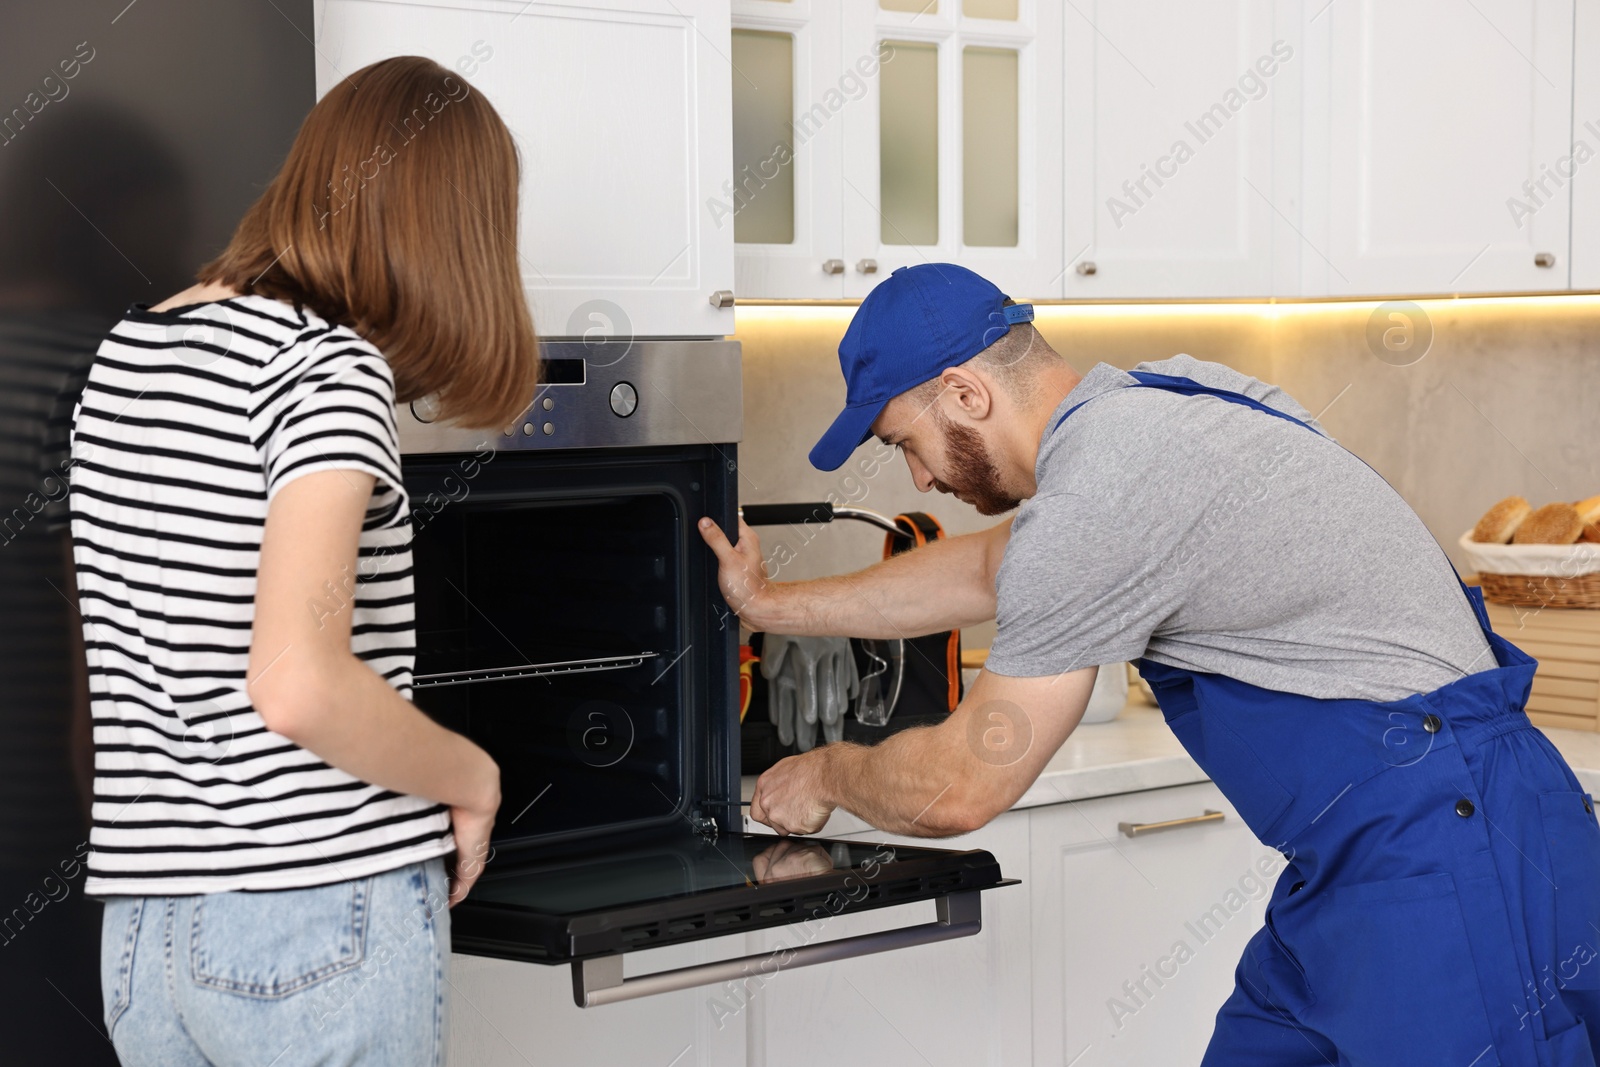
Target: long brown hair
x,y
395,214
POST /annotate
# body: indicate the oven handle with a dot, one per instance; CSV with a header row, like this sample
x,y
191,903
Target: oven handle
x,y
600,981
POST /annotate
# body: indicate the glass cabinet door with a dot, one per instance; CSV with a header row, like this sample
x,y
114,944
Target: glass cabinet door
x,y
956,155
790,88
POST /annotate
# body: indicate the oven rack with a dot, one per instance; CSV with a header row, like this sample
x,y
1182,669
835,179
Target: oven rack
x,y
533,670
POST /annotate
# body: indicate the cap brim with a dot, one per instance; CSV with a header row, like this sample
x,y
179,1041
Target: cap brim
x,y
848,432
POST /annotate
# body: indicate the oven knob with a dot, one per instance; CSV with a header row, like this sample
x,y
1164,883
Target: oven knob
x,y
624,399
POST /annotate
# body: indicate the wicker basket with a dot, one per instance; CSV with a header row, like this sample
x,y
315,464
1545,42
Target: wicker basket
x,y
1537,576
1542,590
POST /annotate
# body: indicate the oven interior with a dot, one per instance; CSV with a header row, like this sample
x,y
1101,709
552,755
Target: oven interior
x,y
567,624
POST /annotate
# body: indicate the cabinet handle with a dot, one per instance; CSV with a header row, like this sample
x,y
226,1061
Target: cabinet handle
x,y
722,298
867,266
1087,267
1134,829
833,266
1544,259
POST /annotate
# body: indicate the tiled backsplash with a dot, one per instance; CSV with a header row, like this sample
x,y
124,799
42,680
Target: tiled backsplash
x,y
1506,400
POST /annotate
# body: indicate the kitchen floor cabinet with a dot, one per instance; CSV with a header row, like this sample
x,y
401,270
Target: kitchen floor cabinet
x,y
960,1003
505,1014
1434,137
620,110
1135,939
1170,178
903,133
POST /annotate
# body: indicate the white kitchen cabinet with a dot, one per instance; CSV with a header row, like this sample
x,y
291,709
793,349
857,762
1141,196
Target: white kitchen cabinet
x,y
1433,136
959,1003
892,167
1585,164
783,203
1172,188
505,1014
621,114
1135,939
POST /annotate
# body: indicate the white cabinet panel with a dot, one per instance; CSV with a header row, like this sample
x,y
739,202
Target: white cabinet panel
x,y
1031,269
505,1014
960,1003
1170,145
1432,146
1585,254
825,83
1136,939
621,113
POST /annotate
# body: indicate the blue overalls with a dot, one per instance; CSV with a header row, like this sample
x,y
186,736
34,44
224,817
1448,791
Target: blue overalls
x,y
1441,902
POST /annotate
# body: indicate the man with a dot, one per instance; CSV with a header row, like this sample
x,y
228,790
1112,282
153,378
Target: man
x,y
1308,641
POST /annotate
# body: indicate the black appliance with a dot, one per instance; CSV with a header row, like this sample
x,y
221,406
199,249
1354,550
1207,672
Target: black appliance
x,y
568,620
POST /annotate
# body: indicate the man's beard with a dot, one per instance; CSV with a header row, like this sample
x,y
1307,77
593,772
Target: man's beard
x,y
973,474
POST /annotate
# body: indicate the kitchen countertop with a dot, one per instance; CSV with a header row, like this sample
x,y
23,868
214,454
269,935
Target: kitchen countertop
x,y
1136,751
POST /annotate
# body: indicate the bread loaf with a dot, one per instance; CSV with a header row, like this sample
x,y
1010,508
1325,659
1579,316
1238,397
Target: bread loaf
x,y
1589,510
1500,522
1553,524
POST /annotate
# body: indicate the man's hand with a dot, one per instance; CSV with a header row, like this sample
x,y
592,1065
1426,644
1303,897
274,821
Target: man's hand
x,y
790,859
741,572
790,798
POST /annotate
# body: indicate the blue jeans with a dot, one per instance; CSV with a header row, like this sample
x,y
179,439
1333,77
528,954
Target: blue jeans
x,y
350,973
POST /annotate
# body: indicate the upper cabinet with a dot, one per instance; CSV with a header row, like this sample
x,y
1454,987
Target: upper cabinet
x,y
620,110
1171,185
874,136
1438,146
1585,172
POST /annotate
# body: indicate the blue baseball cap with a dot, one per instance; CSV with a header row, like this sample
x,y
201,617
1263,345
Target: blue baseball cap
x,y
919,322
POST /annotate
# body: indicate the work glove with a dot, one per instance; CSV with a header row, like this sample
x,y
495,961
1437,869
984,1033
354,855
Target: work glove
x,y
811,681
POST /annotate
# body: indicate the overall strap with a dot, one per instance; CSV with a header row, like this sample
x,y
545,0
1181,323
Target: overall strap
x,y
1172,383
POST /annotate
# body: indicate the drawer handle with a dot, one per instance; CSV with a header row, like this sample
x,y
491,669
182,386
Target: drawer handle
x,y
1135,829
722,298
600,981
1544,259
833,266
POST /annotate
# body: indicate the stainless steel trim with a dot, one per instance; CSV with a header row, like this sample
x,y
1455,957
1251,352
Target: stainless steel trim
x,y
532,670
600,981
686,393
1134,829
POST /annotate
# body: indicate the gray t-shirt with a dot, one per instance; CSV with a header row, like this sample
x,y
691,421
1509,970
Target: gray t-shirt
x,y
1210,536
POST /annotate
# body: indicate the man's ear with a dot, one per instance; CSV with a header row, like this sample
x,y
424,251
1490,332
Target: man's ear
x,y
967,393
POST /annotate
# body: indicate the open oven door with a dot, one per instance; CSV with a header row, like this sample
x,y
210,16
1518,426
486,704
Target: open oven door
x,y
590,908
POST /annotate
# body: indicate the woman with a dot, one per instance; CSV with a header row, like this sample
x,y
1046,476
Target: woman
x,y
272,815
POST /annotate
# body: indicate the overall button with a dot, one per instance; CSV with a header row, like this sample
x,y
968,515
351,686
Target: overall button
x,y
1464,807
1432,723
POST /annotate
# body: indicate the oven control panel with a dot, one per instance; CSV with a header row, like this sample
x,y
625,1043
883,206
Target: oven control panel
x,y
609,394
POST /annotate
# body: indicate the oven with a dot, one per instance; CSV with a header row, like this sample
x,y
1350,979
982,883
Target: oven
x,y
568,620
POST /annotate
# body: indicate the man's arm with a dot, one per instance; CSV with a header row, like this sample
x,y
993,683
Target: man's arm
x,y
941,586
933,781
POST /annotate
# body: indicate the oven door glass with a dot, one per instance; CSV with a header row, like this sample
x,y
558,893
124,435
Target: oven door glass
x,y
679,887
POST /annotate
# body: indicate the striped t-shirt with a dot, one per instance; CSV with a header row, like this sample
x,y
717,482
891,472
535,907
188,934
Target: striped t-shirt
x,y
191,420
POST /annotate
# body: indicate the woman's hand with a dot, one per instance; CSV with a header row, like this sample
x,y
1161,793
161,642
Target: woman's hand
x,y
471,826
